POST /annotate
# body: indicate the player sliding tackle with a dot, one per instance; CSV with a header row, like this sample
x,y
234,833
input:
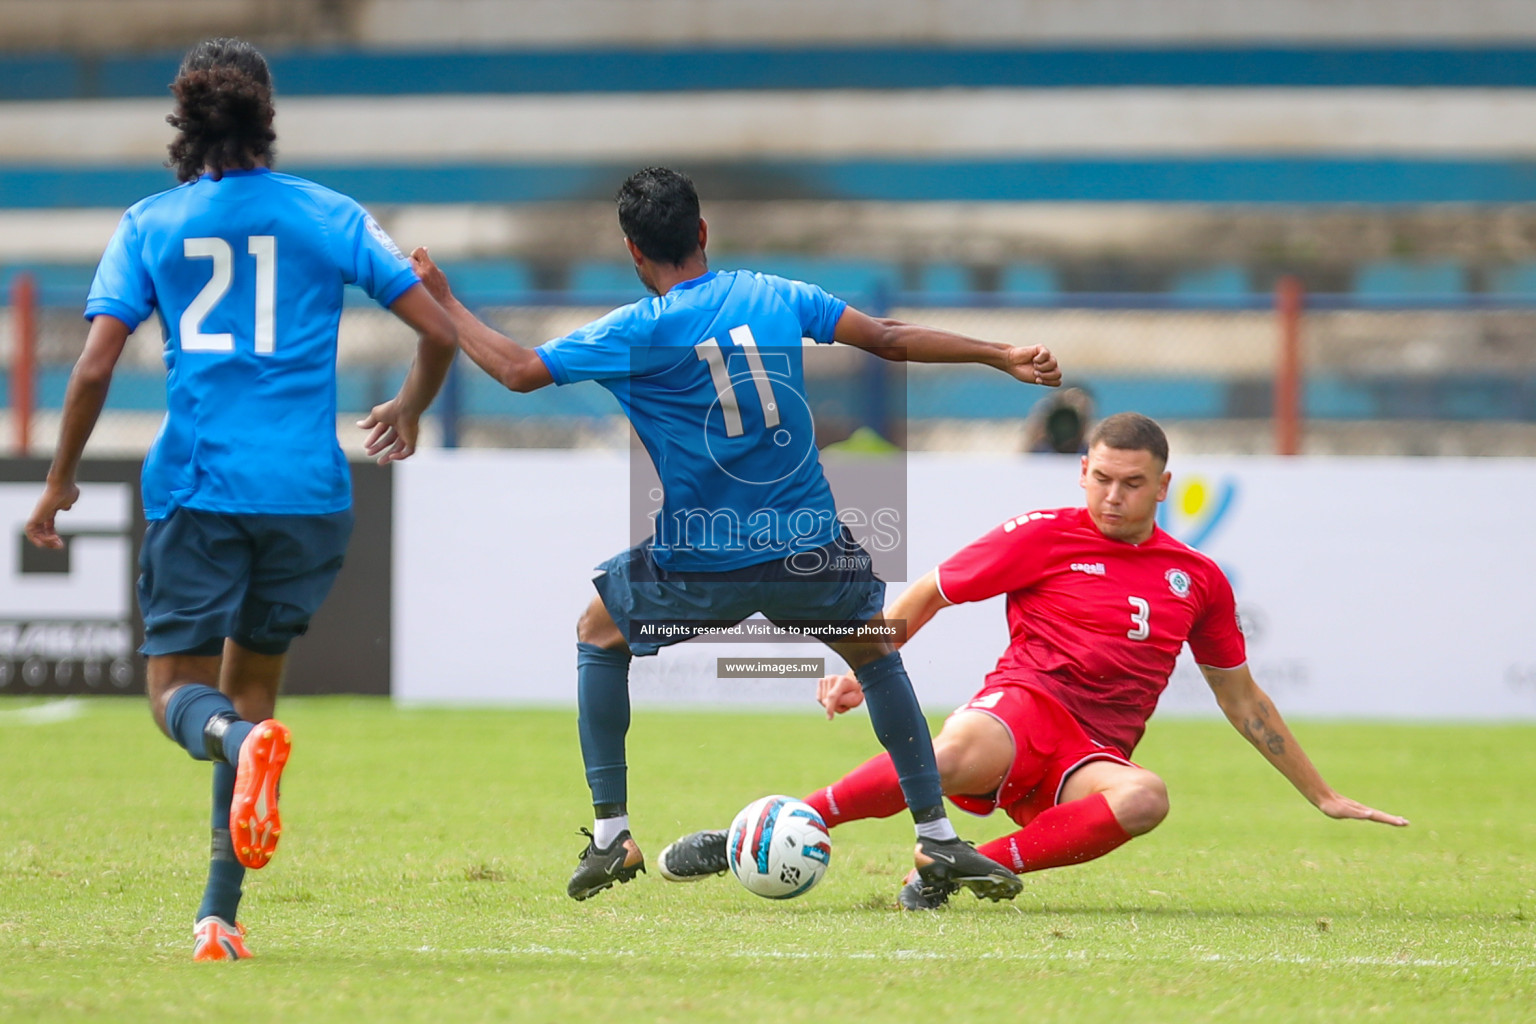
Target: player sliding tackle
x,y
710,374
1100,601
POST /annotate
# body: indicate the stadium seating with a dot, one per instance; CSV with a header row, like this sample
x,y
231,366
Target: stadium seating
x,y
1227,284
1029,280
1393,280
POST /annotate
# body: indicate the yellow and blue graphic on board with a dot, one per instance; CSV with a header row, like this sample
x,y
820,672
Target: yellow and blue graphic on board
x,y
1196,506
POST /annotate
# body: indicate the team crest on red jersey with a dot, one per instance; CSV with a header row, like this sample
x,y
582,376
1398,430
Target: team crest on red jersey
x,y
1178,582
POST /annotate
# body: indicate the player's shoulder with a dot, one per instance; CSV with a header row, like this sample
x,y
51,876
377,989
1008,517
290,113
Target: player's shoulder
x,y
149,202
634,323
1194,557
1045,520
1163,539
308,187
310,193
169,200
778,284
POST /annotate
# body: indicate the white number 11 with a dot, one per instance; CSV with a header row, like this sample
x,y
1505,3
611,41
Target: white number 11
x,y
709,351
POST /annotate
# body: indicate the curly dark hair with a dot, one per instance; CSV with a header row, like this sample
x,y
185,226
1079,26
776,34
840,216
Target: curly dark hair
x,y
223,113
659,212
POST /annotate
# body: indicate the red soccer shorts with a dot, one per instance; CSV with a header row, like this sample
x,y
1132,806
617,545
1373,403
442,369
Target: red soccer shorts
x,y
1049,744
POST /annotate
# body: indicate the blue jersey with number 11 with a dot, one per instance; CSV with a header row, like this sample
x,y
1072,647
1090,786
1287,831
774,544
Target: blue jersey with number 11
x,y
711,377
247,274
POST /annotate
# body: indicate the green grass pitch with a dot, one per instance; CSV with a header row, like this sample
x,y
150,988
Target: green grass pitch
x,y
425,855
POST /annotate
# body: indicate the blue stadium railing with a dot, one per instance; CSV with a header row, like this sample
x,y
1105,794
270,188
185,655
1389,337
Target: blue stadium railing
x,y
968,393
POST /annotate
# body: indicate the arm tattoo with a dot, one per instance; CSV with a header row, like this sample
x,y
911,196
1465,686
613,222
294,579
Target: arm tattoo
x,y
1259,732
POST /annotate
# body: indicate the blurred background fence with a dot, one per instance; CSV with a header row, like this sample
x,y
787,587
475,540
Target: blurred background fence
x,y
1128,182
1239,372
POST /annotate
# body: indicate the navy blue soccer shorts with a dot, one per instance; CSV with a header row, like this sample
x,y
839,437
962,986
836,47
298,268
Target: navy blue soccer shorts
x,y
834,586
256,579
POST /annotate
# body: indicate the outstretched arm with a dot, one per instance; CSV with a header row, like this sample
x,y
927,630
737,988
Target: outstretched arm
x,y
916,605
89,383
1250,711
393,425
899,341
516,367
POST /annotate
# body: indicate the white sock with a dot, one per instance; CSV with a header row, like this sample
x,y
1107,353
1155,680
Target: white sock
x,y
939,830
606,830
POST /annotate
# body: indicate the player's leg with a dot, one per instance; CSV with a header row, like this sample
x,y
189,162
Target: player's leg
x,y
627,590
294,565
943,859
1103,805
602,720
192,576
193,570
973,751
251,682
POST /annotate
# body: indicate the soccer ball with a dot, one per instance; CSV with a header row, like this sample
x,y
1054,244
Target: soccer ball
x,y
778,847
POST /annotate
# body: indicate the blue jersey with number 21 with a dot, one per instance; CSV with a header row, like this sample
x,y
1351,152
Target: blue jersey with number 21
x,y
711,377
247,274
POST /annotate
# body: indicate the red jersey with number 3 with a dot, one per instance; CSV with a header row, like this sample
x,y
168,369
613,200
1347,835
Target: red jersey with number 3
x,y
1094,622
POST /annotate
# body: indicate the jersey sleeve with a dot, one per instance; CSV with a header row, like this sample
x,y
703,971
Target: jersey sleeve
x,y
600,350
122,287
1011,557
818,311
373,261
1216,640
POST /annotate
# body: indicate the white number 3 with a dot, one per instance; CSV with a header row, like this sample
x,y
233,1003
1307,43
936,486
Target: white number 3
x,y
1139,618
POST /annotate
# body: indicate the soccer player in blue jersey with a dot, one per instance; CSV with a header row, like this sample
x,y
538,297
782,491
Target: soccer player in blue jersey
x,y
709,373
246,492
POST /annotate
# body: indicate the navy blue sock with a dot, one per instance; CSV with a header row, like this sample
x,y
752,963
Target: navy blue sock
x,y
187,714
602,700
221,898
902,730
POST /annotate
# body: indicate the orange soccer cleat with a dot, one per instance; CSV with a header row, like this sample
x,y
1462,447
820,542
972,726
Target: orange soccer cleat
x,y
214,938
254,824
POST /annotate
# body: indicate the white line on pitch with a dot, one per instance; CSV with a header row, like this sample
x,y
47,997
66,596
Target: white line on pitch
x,y
1071,956
44,714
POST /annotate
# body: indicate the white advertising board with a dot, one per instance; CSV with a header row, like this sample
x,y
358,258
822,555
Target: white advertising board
x,y
1368,587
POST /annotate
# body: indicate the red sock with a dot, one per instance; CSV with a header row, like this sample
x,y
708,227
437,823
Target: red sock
x,y
871,790
1066,834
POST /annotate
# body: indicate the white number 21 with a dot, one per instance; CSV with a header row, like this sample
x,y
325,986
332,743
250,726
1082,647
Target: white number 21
x,y
264,328
1139,619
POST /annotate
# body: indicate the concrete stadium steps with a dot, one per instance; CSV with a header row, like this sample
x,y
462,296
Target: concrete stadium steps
x,y
1048,246
95,25
712,127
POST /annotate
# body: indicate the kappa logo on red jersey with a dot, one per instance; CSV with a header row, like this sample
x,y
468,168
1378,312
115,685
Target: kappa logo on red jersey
x,y
1178,582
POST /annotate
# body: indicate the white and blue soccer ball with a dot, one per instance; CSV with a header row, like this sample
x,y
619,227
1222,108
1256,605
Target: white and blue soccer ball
x,y
778,847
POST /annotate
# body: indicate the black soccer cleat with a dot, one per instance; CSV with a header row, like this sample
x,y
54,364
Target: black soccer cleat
x,y
694,856
597,870
949,864
917,896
